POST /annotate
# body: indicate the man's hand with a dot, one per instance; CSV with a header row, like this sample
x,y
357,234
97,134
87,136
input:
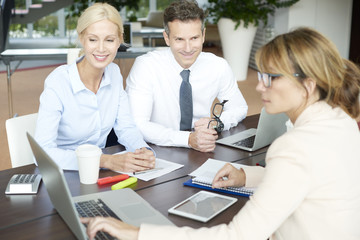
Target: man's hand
x,y
203,139
204,123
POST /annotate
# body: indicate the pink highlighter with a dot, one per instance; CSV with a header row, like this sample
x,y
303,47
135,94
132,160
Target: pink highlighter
x,y
118,178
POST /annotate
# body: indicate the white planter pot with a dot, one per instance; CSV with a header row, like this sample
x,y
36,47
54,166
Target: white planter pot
x,y
236,45
137,41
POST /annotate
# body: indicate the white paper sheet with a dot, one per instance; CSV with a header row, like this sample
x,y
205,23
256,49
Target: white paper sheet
x,y
164,167
211,167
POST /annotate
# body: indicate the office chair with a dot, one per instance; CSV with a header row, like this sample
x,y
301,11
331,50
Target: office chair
x,y
154,19
19,147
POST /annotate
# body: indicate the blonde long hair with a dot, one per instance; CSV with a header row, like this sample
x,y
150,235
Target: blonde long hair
x,y
310,54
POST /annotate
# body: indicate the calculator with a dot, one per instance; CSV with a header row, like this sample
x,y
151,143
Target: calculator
x,y
23,184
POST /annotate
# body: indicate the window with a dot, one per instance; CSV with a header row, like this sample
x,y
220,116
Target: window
x,y
151,5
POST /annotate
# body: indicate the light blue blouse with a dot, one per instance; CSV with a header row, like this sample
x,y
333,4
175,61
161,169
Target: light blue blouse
x,y
71,115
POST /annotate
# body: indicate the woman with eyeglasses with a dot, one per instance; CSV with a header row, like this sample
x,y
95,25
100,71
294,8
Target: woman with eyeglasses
x,y
309,188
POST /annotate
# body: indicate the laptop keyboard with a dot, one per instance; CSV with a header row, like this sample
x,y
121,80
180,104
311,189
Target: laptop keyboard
x,y
247,142
95,208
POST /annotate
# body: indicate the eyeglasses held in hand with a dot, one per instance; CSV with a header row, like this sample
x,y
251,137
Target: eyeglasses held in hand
x,y
217,111
267,77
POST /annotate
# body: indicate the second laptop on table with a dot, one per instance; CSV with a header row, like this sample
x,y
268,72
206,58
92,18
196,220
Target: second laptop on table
x,y
270,126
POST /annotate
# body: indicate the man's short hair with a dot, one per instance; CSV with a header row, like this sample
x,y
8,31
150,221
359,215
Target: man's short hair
x,y
183,10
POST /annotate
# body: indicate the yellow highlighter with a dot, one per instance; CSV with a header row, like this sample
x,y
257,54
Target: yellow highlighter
x,y
124,184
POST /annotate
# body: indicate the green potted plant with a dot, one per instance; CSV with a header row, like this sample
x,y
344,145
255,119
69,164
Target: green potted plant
x,y
131,16
237,23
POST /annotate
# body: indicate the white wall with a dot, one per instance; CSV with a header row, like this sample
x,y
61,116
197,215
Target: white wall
x,y
330,17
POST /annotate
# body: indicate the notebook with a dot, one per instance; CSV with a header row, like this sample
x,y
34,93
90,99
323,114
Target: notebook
x,y
270,126
204,175
126,204
206,185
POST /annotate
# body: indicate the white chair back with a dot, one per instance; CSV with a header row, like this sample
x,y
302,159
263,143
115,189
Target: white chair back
x,y
73,54
19,147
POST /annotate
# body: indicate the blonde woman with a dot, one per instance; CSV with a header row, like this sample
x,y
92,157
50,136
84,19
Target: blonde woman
x,y
83,101
309,188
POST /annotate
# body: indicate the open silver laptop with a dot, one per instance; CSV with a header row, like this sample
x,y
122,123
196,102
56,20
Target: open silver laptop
x,y
270,126
124,203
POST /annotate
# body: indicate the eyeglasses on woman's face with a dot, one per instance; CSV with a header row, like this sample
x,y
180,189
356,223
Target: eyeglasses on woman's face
x,y
266,78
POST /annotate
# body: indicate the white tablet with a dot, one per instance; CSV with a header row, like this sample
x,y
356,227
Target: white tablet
x,y
203,206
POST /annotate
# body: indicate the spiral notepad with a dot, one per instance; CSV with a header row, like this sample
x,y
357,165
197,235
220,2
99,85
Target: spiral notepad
x,y
204,181
204,175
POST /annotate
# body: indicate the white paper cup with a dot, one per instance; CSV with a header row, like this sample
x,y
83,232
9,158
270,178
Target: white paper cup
x,y
89,162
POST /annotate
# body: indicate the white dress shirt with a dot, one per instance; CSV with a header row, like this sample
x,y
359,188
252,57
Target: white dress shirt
x,y
153,87
71,115
309,188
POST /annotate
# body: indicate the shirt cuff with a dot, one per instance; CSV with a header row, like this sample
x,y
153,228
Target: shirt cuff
x,y
178,139
181,139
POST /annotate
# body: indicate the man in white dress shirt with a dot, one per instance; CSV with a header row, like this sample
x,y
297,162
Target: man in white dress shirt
x,y
153,84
